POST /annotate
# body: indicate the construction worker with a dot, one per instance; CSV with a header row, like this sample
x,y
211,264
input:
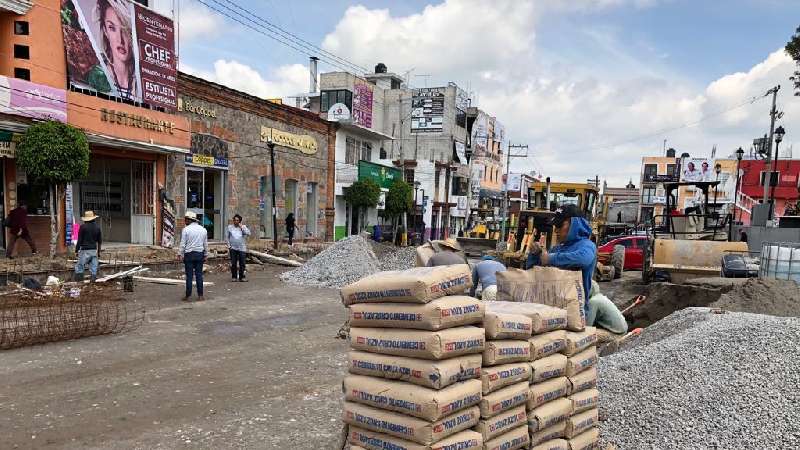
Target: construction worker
x,y
17,223
603,313
446,258
485,273
574,250
90,240
193,251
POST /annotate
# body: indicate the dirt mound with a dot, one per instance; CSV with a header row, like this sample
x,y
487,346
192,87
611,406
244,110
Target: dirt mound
x,y
662,300
760,296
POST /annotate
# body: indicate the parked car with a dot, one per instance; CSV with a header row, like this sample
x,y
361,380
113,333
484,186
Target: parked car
x,y
634,250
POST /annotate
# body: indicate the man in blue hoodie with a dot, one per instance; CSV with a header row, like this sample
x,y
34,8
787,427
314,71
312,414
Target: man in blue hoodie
x,y
574,250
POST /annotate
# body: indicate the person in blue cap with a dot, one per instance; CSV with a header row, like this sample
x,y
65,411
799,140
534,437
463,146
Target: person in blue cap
x,y
575,250
485,273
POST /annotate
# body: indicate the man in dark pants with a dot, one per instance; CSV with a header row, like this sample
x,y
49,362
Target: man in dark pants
x,y
90,241
18,228
193,251
237,247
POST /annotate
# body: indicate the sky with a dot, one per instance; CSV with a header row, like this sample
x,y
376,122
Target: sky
x,y
590,86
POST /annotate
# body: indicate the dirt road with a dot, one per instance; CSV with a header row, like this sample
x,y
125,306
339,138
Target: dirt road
x,y
255,366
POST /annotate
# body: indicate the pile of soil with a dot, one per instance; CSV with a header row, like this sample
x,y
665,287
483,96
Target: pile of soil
x,y
763,296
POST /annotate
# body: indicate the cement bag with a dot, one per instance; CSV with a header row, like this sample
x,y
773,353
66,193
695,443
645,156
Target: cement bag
x,y
584,380
501,423
428,249
422,372
548,286
579,423
420,344
504,399
512,440
585,400
549,414
547,344
506,326
445,312
555,444
494,378
553,432
586,440
549,390
581,361
552,366
504,352
405,427
369,440
417,285
425,403
578,341
543,318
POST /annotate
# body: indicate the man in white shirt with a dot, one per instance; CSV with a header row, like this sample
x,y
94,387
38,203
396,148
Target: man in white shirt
x,y
193,251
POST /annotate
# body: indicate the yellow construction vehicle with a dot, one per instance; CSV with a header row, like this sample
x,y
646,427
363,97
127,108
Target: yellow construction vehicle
x,y
533,223
689,243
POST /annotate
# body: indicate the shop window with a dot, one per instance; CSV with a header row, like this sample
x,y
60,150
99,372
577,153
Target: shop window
x,y
22,51
290,203
21,28
351,151
22,74
35,194
366,151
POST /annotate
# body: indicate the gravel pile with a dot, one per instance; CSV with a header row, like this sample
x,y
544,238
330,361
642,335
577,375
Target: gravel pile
x,y
774,297
340,264
398,258
725,381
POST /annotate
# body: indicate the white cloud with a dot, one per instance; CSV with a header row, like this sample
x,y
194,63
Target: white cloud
x,y
196,20
282,82
578,122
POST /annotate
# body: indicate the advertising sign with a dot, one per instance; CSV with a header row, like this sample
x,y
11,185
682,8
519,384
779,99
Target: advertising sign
x,y
427,110
480,134
23,98
461,152
121,49
338,111
383,175
362,103
697,169
514,182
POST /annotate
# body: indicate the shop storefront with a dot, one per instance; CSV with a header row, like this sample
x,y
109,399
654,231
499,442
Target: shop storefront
x,y
206,181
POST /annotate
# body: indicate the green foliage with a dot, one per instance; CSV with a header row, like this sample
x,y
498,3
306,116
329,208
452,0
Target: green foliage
x,y
399,199
54,152
363,194
793,49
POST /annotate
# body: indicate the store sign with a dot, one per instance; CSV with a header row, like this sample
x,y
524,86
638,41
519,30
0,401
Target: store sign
x,y
200,110
514,182
136,120
383,175
362,103
658,199
23,98
207,161
427,110
8,144
338,111
460,210
305,143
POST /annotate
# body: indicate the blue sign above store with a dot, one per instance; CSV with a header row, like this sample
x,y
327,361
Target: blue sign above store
x,y
207,161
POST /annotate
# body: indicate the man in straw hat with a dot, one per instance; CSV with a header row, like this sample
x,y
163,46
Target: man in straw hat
x,y
193,251
90,239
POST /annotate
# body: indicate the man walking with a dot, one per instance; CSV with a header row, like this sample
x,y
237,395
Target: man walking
x,y
18,228
237,248
90,239
193,251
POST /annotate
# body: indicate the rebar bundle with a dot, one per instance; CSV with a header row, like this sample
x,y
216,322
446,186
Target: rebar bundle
x,y
32,318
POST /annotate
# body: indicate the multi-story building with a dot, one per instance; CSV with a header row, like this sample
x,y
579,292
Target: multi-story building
x,y
655,171
751,191
621,204
488,141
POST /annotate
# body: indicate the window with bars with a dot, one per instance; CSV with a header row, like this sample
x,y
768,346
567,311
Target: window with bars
x,y
351,151
143,187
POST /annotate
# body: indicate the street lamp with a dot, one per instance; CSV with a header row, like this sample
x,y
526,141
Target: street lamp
x,y
779,133
417,184
739,156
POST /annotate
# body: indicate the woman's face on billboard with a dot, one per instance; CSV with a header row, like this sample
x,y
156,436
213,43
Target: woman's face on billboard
x,y
119,39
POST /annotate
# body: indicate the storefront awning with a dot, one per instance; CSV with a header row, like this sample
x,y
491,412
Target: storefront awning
x,y
127,144
20,7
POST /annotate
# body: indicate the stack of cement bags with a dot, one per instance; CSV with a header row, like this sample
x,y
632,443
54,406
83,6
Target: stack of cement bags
x,y
505,376
415,367
581,427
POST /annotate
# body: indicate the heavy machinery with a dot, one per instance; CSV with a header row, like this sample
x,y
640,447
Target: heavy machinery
x,y
481,237
533,222
688,244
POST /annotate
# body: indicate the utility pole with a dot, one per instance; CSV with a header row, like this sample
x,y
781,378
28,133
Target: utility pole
x,y
271,146
508,163
772,113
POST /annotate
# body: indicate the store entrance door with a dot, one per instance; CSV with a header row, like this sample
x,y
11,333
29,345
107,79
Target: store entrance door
x,y
204,197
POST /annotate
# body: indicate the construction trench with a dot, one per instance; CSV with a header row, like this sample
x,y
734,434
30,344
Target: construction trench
x,y
677,385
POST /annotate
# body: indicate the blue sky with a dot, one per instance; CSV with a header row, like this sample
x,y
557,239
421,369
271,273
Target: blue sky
x,y
565,76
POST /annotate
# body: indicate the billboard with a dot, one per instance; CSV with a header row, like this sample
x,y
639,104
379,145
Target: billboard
x,y
480,134
362,103
121,49
698,169
427,110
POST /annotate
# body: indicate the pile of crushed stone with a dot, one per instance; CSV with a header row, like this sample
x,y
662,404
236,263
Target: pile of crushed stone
x,y
721,381
350,260
763,296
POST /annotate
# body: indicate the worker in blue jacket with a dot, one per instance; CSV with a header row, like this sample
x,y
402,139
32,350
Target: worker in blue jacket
x,y
574,250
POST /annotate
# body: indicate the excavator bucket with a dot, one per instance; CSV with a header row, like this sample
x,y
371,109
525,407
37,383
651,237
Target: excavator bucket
x,y
685,259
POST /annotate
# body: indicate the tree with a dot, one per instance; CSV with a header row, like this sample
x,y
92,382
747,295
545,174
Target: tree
x,y
793,49
362,194
399,200
55,153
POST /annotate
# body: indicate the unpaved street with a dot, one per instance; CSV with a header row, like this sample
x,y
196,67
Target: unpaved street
x,y
255,366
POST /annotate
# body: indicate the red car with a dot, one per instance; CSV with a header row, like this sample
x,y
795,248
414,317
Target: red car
x,y
634,250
